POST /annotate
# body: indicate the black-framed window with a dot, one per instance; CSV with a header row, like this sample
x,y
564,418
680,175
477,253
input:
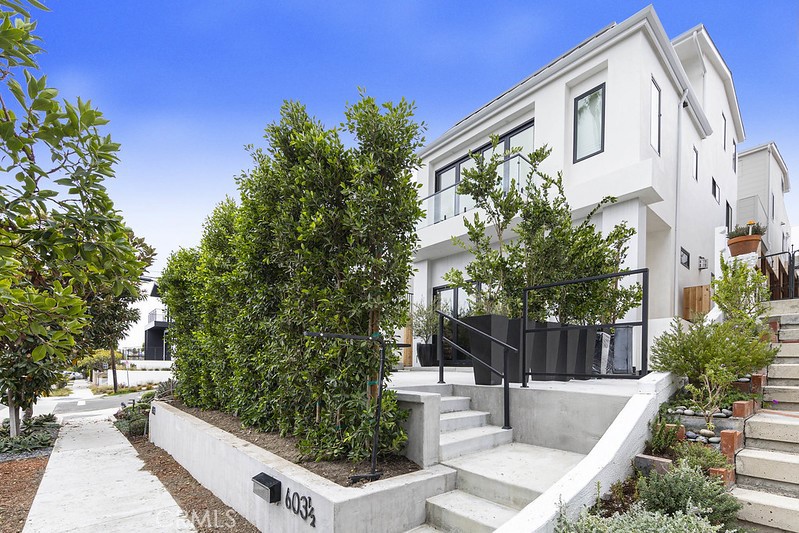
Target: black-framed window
x,y
714,188
695,169
685,258
724,130
729,217
589,123
453,300
654,116
447,203
773,207
734,156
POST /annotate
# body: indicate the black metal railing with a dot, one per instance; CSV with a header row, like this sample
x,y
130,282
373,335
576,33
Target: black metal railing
x,y
780,287
441,340
525,330
157,315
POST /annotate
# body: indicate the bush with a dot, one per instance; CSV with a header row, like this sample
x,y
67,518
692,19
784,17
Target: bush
x,y
663,438
740,231
637,520
685,489
697,455
148,396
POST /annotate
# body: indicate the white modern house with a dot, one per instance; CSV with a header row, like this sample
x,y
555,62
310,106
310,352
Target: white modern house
x,y
631,113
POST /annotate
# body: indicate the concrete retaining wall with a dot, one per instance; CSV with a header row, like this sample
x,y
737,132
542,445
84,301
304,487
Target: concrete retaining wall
x,y
422,426
129,378
226,464
146,364
609,461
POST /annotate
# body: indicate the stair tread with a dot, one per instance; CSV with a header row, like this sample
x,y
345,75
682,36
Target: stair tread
x,y
424,528
462,414
475,508
469,433
454,398
766,508
769,455
534,468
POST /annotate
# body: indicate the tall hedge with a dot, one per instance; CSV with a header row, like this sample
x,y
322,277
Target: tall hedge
x,y
322,240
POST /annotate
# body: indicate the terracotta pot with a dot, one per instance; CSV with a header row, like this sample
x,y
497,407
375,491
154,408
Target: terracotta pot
x,y
745,244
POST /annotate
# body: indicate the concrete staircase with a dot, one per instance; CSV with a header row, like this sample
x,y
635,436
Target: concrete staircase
x,y
495,477
767,469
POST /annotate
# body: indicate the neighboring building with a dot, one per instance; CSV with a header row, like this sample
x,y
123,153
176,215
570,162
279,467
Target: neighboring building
x,y
630,113
762,185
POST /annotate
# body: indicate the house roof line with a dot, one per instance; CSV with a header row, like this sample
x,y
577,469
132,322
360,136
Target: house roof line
x,y
598,40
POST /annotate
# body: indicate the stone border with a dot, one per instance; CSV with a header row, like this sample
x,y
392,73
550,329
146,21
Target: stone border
x,y
608,462
226,464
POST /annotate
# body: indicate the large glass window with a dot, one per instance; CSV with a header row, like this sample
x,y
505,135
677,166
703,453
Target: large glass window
x,y
453,301
589,123
654,117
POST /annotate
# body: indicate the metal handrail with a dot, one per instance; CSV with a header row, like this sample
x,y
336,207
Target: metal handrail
x,y
644,322
504,375
791,269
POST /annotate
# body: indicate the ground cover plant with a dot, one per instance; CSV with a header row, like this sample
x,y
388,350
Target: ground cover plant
x,y
321,240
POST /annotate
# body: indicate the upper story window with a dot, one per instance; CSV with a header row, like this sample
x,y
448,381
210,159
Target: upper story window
x,y
734,156
716,191
654,116
724,130
729,217
589,123
773,207
446,203
695,168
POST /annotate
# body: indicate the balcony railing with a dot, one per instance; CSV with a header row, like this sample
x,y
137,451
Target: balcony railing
x,y
447,203
157,315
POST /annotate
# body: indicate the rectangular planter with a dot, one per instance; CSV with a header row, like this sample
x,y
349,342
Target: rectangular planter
x,y
226,465
486,350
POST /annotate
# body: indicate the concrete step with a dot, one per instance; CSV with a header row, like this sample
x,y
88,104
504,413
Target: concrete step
x,y
776,472
460,511
768,509
783,371
788,334
788,349
777,382
784,358
789,321
456,420
464,441
783,307
514,474
787,397
773,431
450,404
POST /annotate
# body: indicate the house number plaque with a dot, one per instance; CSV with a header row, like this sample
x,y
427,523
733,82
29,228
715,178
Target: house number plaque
x,y
301,506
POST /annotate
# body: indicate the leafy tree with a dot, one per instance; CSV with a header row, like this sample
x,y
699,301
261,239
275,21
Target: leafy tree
x,y
61,241
741,292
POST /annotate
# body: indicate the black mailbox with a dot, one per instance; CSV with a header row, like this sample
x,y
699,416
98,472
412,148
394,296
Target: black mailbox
x,y
266,487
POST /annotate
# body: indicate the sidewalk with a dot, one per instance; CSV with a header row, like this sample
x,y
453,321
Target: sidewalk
x,y
94,482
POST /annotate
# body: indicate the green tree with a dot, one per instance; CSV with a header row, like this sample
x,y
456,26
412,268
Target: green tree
x,y
60,238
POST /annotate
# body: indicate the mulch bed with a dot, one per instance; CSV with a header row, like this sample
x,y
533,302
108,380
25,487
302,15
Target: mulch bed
x,y
19,481
207,512
286,447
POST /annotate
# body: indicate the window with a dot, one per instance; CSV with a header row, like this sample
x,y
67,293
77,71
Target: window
x,y
685,258
729,217
734,156
446,203
772,207
695,170
654,116
716,191
589,123
724,130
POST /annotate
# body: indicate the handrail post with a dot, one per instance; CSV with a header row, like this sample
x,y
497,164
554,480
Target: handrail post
x,y
645,324
507,391
440,348
523,339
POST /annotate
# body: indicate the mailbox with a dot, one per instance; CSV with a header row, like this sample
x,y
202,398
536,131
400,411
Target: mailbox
x,y
266,487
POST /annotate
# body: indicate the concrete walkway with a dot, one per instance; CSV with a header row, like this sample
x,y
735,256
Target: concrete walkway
x,y
94,482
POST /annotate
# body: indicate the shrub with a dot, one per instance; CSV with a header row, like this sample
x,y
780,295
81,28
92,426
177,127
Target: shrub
x,y
663,437
685,489
740,231
165,390
637,520
697,455
148,396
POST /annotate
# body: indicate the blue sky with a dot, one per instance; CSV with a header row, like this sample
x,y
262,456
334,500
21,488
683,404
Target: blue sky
x,y
187,84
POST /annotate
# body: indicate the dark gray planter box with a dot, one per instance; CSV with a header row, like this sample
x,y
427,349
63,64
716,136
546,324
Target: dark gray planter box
x,y
486,350
426,354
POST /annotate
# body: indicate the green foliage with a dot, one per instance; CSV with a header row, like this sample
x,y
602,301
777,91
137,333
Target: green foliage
x,y
741,293
663,437
697,455
65,254
165,390
637,520
748,229
98,360
134,420
487,279
26,443
712,356
148,396
425,319
686,489
321,240
556,249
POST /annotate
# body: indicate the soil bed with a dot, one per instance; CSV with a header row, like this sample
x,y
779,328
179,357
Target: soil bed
x,y
338,471
20,481
206,511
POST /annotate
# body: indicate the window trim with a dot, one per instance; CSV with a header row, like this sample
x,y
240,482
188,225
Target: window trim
x,y
696,164
728,213
715,190
724,119
599,87
660,114
734,156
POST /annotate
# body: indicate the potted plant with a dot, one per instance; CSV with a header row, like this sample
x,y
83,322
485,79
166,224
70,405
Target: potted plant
x,y
745,239
488,278
425,327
